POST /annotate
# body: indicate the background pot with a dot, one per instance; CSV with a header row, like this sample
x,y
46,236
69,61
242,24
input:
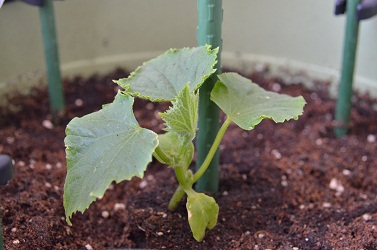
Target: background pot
x,y
295,39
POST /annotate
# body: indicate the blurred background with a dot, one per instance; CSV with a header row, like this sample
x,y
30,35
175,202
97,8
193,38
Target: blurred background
x,y
298,39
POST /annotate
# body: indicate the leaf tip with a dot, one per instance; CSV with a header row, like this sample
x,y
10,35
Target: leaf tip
x,y
68,219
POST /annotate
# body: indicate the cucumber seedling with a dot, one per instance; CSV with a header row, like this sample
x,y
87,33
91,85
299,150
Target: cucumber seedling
x,y
109,145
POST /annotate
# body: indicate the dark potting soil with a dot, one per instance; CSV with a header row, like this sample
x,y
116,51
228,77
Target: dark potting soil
x,y
283,186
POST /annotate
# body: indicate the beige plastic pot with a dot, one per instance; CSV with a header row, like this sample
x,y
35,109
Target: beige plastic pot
x,y
300,40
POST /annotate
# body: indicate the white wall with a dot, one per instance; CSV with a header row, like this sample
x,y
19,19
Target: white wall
x,y
98,35
300,34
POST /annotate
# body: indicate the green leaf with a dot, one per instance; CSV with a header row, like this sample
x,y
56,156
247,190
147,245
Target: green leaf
x,y
174,146
202,213
162,78
103,147
182,117
247,104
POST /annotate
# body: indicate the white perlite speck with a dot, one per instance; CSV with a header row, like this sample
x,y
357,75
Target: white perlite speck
x,y
276,154
88,247
79,102
143,184
119,206
10,140
276,87
47,124
367,217
337,186
150,106
319,142
105,214
284,183
371,138
326,205
346,172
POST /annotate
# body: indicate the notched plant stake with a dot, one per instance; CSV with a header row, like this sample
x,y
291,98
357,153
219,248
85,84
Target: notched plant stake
x,y
109,145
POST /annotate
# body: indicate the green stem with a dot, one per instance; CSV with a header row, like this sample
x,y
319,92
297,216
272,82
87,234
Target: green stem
x,y
183,181
176,198
213,150
184,184
158,153
184,178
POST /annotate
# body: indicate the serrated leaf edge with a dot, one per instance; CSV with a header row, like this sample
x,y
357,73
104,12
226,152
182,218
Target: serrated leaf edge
x,y
127,87
262,117
70,214
171,109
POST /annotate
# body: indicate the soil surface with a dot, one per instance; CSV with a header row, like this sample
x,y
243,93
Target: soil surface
x,y
283,186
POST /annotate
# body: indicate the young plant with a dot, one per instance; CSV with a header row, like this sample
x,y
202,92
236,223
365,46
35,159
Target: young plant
x,y
109,145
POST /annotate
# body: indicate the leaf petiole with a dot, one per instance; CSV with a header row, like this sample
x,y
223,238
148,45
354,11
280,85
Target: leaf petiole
x,y
185,180
180,191
176,198
212,150
184,177
159,154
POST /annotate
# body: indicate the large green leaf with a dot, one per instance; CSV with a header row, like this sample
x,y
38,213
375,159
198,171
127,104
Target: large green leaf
x,y
162,78
102,147
182,117
202,213
247,104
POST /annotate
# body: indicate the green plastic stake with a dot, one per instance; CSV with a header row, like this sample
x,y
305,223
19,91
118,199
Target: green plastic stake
x,y
210,16
343,105
54,80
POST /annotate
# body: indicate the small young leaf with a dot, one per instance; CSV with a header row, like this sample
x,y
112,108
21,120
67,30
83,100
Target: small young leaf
x,y
202,213
176,149
105,146
162,78
182,117
247,104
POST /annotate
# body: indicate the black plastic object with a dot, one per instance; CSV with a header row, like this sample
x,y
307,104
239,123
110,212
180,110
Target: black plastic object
x,y
6,169
32,2
365,9
340,7
8,1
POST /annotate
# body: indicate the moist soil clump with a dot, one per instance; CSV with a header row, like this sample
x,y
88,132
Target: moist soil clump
x,y
283,186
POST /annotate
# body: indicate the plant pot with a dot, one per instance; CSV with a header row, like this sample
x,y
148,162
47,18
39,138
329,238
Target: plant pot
x,y
291,185
91,40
